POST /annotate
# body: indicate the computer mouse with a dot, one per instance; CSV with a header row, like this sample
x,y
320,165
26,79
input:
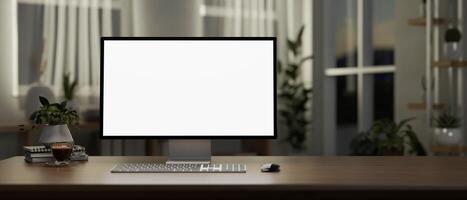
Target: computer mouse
x,y
270,167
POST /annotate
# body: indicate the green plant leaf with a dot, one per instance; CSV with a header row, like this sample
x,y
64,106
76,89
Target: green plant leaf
x,y
44,101
447,120
279,67
291,73
66,79
292,46
304,59
68,88
299,36
402,123
63,105
72,89
415,144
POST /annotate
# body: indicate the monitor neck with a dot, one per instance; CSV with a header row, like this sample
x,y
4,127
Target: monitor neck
x,y
189,151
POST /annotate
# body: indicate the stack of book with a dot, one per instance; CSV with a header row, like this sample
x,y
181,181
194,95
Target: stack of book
x,y
38,154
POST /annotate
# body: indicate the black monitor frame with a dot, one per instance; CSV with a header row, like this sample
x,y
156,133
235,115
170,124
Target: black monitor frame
x,y
101,110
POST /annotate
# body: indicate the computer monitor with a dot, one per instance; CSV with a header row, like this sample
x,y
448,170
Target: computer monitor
x,y
188,88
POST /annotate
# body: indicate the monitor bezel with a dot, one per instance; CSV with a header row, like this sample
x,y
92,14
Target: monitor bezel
x,y
101,98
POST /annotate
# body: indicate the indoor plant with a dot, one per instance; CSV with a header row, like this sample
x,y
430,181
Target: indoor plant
x,y
54,118
293,95
447,130
69,91
452,45
386,137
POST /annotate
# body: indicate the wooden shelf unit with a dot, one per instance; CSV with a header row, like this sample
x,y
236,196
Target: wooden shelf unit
x,y
449,63
422,106
421,21
449,149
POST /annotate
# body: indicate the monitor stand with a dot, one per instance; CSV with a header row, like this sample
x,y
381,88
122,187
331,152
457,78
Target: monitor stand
x,y
189,151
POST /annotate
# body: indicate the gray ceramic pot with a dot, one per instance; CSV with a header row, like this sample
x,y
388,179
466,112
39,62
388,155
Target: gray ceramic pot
x,y
448,136
55,133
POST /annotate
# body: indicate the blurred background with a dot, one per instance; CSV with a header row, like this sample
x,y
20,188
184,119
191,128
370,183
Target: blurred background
x,y
358,68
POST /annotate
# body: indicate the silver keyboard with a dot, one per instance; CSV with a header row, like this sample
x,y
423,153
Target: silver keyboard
x,y
178,168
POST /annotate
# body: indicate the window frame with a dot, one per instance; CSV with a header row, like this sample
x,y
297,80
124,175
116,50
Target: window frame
x,y
325,110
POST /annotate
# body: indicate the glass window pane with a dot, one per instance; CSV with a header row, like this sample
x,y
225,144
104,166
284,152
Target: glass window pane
x,y
346,103
383,95
383,22
341,21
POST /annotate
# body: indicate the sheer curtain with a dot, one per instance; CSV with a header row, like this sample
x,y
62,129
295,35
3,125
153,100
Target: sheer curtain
x,y
71,32
277,18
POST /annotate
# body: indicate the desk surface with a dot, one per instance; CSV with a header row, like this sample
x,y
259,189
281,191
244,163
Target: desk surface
x,y
297,173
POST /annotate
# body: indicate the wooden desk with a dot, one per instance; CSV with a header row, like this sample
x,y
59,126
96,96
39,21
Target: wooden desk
x,y
300,178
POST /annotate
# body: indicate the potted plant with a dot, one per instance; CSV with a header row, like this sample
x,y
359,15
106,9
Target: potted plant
x,y
69,91
54,118
447,130
387,138
293,95
452,46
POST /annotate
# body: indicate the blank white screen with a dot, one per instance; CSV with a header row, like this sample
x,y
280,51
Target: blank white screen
x,y
188,88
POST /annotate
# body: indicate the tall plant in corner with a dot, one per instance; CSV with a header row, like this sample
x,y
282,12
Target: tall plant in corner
x,y
293,95
68,87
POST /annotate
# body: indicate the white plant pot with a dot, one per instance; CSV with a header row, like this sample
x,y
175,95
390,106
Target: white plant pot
x,y
55,133
452,50
448,136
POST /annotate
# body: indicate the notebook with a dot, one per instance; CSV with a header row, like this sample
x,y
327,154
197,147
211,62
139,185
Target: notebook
x,y
36,149
37,154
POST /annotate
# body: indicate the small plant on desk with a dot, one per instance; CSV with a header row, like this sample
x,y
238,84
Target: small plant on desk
x,y
54,114
54,118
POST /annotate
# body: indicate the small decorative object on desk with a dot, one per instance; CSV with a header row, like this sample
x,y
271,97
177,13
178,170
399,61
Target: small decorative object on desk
x,y
54,119
39,154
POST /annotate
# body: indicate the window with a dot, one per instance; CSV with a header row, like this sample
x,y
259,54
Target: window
x,y
358,61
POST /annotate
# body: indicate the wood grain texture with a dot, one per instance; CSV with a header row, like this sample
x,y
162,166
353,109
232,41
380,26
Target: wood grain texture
x,y
323,175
